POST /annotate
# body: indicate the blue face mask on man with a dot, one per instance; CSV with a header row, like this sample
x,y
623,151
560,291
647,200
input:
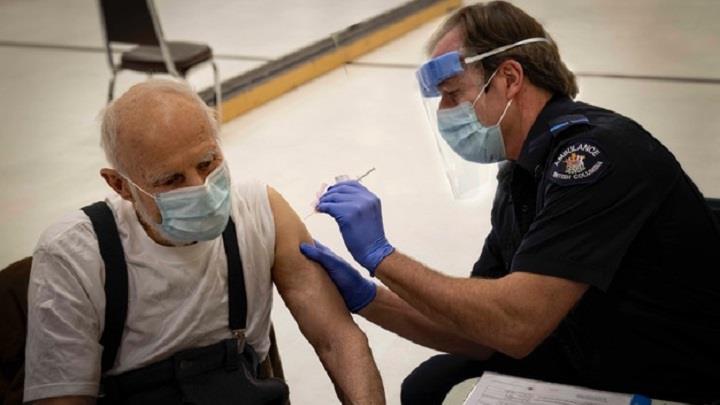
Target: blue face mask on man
x,y
460,127
195,213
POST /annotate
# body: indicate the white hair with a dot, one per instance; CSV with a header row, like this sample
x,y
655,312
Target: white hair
x,y
109,116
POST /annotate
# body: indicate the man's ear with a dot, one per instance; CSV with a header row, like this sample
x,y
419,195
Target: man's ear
x,y
117,183
514,75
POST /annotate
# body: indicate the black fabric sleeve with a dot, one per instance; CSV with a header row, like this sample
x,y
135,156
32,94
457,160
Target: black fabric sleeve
x,y
490,263
584,228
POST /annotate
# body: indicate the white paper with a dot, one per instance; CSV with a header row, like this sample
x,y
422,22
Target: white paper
x,y
497,389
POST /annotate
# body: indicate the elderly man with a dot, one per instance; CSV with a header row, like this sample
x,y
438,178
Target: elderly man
x,y
173,200
601,268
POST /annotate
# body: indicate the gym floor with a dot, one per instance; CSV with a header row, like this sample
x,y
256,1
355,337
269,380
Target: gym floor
x,y
653,60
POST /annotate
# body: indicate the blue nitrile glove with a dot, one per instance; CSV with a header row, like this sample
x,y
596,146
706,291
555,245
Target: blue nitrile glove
x,y
358,213
356,290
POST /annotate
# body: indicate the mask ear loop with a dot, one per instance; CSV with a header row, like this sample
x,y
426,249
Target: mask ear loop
x,y
482,90
127,178
507,106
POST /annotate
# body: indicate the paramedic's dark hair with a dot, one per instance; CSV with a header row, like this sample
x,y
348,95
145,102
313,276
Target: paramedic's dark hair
x,y
486,26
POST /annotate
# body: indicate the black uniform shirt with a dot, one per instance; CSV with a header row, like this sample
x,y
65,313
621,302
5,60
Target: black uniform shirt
x,y
594,198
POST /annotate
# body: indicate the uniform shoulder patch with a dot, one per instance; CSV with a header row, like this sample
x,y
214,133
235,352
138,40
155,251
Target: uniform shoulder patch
x,y
578,162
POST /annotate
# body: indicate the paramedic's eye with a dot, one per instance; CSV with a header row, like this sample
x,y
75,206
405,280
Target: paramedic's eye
x,y
454,95
171,180
450,93
204,165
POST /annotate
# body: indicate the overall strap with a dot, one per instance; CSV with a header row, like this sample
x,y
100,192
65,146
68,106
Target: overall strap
x,y
237,299
116,279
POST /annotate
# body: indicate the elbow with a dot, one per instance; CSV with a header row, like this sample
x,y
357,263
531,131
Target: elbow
x,y
332,344
353,337
516,342
522,341
520,349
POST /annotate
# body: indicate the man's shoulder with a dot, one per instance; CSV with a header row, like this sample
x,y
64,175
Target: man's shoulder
x,y
67,257
252,208
250,192
607,140
615,132
68,230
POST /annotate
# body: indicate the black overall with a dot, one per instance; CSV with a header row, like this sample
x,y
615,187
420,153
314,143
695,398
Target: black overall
x,y
219,374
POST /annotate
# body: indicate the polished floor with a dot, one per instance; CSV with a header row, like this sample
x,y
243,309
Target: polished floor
x,y
653,60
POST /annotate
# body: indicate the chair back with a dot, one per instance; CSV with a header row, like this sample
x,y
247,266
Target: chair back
x,y
13,318
129,21
714,204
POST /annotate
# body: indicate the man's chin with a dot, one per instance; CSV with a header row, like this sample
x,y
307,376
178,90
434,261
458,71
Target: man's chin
x,y
155,233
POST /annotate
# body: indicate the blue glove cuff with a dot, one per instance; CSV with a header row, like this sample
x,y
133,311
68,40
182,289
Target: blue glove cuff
x,y
361,297
377,255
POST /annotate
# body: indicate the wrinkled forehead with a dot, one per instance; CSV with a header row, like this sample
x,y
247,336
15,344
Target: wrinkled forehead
x,y
451,41
156,129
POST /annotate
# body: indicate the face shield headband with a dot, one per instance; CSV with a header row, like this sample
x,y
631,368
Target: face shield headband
x,y
435,71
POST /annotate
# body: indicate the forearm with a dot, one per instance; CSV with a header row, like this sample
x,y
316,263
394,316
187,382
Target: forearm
x,y
350,365
468,306
394,314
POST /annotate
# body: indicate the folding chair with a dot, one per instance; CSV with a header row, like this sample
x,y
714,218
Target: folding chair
x,y
13,318
136,22
714,204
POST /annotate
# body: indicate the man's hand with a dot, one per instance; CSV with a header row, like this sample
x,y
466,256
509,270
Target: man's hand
x,y
356,290
359,215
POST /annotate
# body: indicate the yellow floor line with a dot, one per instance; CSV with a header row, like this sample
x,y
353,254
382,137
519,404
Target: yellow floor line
x,y
286,81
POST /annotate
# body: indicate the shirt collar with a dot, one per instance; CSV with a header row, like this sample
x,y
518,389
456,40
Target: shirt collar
x,y
539,139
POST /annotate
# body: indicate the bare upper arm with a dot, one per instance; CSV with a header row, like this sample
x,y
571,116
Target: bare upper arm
x,y
305,287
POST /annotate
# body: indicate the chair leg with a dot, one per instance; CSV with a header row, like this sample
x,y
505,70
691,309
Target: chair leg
x,y
218,93
111,87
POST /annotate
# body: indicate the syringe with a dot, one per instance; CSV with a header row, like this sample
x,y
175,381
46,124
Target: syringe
x,y
338,179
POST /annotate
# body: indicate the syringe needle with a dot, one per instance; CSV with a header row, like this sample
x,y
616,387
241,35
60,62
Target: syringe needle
x,y
338,179
365,174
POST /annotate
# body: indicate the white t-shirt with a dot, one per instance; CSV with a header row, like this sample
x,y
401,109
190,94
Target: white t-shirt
x,y
177,296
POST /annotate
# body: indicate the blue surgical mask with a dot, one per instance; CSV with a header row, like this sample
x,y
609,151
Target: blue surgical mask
x,y
195,213
467,136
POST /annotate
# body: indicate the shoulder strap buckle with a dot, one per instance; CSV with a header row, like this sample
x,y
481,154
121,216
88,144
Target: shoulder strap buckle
x,y
239,334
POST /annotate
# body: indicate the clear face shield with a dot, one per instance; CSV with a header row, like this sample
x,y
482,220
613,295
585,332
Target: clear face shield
x,y
465,177
461,139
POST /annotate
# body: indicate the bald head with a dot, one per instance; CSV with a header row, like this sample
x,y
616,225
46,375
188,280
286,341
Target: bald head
x,y
142,122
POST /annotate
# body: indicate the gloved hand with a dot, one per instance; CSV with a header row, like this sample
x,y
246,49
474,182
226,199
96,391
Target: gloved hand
x,y
359,215
356,290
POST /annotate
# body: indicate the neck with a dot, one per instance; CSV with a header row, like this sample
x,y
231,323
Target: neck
x,y
528,106
152,233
